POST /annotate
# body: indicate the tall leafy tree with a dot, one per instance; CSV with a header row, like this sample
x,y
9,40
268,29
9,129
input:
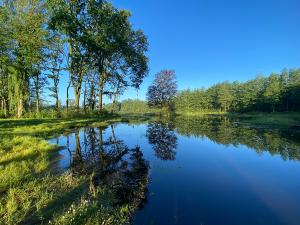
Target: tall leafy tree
x,y
117,49
5,59
56,57
92,85
28,34
39,81
224,96
69,17
272,93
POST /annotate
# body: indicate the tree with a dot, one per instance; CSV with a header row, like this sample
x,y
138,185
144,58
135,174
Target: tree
x,y
163,90
39,81
117,49
70,19
92,90
26,19
93,36
55,61
5,59
272,93
294,89
223,96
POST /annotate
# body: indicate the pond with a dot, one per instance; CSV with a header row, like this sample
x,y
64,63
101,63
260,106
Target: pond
x,y
193,171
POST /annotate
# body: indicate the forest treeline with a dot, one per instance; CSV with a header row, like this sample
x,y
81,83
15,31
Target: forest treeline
x,y
89,45
277,92
130,106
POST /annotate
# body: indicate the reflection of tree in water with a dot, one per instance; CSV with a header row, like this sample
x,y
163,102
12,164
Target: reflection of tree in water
x,y
163,139
223,131
108,161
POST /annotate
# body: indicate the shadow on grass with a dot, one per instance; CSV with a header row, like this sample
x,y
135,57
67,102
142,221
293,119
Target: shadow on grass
x,y
48,128
13,123
58,205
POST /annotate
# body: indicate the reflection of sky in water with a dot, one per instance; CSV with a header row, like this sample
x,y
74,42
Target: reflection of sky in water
x,y
210,183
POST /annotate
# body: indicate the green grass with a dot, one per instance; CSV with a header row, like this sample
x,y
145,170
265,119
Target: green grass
x,y
32,193
46,127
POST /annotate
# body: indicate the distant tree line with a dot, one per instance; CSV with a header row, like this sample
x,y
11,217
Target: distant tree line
x,y
90,42
130,106
277,92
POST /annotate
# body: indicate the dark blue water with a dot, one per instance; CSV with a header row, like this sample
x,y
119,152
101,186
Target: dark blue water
x,y
204,172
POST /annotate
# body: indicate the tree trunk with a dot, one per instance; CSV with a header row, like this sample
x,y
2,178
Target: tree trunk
x,y
37,93
37,102
20,108
56,102
84,97
114,102
101,87
77,92
70,73
93,98
6,110
67,101
56,81
77,97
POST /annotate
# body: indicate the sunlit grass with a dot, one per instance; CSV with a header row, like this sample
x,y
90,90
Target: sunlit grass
x,y
31,191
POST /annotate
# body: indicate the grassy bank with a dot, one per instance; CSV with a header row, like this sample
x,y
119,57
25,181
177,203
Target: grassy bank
x,y
46,127
31,193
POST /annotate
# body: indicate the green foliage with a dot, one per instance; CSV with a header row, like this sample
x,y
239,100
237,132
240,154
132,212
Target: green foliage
x,y
163,89
278,92
26,41
93,41
131,106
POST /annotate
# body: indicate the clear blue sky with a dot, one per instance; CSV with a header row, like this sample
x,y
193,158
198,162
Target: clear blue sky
x,y
208,41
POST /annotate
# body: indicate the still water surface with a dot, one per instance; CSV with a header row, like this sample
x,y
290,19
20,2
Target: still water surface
x,y
199,171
